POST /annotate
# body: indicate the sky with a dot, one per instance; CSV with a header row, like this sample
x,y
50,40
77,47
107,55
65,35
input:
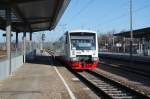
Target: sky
x,y
99,15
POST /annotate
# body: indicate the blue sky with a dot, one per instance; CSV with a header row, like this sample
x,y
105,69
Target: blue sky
x,y
100,15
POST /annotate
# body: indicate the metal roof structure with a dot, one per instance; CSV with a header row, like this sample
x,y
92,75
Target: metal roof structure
x,y
139,33
32,15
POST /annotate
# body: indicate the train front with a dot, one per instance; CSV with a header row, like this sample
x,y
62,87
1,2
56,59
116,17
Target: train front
x,y
83,50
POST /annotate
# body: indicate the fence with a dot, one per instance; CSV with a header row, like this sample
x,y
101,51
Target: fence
x,y
16,62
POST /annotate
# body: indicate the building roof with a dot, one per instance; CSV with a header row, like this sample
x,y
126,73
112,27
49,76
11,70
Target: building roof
x,y
138,33
32,15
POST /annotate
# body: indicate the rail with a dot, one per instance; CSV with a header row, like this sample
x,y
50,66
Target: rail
x,y
128,69
108,88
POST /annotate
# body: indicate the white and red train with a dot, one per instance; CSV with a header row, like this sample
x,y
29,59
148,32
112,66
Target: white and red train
x,y
80,49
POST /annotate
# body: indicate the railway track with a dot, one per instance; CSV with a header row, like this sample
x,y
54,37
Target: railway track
x,y
128,69
107,88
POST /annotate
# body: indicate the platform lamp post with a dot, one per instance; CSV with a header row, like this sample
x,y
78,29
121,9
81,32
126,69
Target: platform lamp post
x,y
131,31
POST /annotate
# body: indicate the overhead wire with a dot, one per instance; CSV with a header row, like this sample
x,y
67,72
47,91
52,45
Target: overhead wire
x,y
76,3
111,10
86,6
123,15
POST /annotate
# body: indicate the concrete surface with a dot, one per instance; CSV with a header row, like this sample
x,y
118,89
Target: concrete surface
x,y
39,80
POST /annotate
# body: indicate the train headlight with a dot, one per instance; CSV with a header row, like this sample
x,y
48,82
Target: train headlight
x,y
94,58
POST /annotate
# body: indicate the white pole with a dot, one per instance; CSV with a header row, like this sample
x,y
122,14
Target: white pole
x,y
8,37
124,44
131,31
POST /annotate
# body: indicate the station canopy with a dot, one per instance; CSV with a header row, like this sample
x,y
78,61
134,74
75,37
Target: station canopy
x,y
32,15
139,33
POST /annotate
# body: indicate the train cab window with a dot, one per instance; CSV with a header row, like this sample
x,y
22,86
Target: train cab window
x,y
80,44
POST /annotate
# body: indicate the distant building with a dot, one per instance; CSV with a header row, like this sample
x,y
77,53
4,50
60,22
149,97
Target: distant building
x,y
141,42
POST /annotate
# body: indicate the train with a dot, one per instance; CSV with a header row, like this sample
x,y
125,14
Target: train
x,y
80,49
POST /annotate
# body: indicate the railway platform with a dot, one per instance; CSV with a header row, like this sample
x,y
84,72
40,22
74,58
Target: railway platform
x,y
124,54
126,57
44,79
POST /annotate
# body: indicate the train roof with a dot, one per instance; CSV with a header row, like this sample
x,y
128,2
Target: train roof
x,y
88,31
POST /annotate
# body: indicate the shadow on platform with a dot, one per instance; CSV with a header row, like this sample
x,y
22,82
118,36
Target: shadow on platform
x,y
46,60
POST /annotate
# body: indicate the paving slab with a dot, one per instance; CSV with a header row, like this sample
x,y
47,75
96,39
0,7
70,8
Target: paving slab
x,y
33,81
40,80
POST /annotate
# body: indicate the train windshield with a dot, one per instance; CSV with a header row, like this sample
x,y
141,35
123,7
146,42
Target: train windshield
x,y
83,42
